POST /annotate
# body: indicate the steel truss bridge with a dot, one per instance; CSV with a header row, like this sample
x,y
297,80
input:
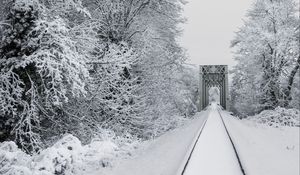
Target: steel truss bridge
x,y
213,76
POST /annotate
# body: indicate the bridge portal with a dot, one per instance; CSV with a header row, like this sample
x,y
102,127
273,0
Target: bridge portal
x,y
213,76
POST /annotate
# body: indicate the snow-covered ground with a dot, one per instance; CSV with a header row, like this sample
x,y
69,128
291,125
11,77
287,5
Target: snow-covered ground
x,y
265,150
166,155
68,156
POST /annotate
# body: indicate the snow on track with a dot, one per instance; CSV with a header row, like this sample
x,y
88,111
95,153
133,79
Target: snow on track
x,y
213,154
165,155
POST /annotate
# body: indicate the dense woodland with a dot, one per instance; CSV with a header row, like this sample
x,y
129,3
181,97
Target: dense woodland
x,y
267,50
92,66
81,67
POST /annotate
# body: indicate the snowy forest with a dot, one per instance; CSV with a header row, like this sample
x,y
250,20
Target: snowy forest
x,y
267,50
84,82
80,67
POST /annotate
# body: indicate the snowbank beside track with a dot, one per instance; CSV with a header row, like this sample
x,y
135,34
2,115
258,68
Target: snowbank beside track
x,y
265,149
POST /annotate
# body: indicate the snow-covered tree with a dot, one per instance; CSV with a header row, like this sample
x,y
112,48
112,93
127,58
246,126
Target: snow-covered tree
x,y
267,51
78,67
40,70
111,102
160,62
149,28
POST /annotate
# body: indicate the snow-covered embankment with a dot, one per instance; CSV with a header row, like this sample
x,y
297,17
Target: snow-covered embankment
x,y
265,150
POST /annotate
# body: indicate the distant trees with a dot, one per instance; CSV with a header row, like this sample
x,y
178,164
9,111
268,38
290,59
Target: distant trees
x,y
80,67
267,52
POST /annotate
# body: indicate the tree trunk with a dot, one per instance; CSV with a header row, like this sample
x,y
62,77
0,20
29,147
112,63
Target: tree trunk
x,y
269,86
288,89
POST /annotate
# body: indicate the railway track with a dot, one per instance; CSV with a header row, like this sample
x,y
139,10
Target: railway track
x,y
194,146
183,172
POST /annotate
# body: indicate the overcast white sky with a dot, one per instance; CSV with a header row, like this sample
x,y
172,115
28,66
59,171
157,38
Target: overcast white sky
x,y
210,28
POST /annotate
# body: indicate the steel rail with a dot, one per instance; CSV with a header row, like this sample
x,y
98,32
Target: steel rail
x,y
232,143
190,154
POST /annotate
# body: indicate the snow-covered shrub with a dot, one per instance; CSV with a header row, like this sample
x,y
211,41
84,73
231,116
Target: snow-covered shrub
x,y
67,156
278,117
162,124
13,161
59,158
